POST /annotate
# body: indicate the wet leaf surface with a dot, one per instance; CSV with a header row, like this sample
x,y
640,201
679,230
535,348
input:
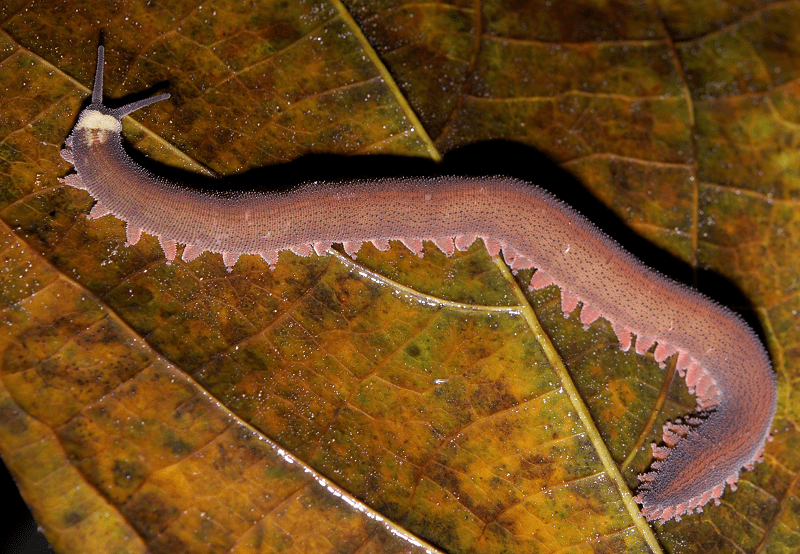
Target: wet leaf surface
x,y
390,403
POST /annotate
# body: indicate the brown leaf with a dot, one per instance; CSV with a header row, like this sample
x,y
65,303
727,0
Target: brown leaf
x,y
393,403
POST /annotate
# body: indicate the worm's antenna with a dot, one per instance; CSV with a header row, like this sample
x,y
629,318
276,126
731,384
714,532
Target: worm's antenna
x,y
97,90
121,112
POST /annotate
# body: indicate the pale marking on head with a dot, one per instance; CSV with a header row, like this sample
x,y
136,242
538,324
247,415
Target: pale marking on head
x,y
93,120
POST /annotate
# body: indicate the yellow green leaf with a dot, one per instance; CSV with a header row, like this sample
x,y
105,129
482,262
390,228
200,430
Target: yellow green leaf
x,y
389,403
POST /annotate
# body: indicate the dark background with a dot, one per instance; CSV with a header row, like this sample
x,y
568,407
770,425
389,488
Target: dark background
x,y
18,534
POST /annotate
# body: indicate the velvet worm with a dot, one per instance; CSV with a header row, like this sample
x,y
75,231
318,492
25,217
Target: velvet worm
x,y
721,358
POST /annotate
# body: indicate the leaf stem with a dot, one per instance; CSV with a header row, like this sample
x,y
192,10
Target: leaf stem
x,y
585,417
383,71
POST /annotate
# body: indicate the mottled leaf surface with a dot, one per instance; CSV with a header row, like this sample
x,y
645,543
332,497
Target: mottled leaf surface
x,y
390,403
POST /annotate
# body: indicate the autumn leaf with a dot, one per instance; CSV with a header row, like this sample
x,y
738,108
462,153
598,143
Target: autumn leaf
x,y
389,403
